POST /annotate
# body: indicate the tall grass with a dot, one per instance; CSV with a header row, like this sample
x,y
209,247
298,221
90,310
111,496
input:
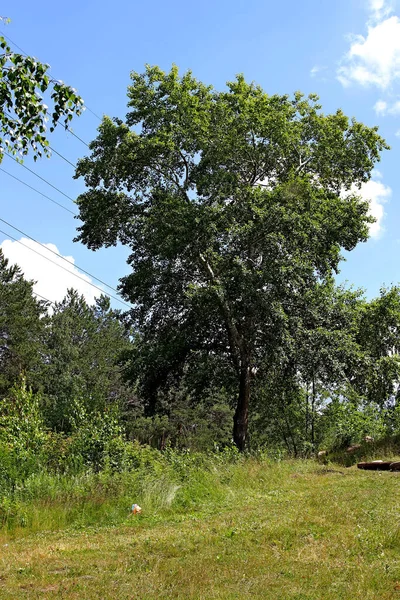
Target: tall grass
x,y
163,483
169,482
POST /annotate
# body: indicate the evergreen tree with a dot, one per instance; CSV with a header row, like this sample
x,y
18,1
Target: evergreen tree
x,y
82,371
22,328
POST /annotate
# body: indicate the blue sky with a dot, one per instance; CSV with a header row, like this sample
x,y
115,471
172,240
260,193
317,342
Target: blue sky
x,y
347,51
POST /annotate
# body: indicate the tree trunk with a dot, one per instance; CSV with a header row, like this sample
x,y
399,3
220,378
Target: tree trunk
x,y
241,417
285,439
307,415
290,432
313,415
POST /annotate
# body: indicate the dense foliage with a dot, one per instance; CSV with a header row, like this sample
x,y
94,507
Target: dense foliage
x,y
236,206
68,399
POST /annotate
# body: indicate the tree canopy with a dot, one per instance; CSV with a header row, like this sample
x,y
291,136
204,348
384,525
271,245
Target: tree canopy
x,y
235,204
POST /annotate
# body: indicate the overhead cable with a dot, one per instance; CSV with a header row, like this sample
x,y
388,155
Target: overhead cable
x,y
38,192
65,269
58,255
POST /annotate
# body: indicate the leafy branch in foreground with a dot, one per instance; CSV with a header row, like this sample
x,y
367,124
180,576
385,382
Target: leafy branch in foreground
x,y
23,112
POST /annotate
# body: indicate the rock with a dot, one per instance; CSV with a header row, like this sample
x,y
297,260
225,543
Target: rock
x,y
369,439
353,448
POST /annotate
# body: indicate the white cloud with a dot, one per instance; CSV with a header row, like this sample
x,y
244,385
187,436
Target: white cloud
x,y
380,107
314,71
397,134
374,59
377,194
395,108
376,174
52,282
380,8
317,70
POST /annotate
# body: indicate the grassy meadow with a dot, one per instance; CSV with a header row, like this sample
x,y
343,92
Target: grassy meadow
x,y
248,528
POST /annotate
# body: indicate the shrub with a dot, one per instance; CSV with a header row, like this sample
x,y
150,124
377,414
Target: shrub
x,y
92,443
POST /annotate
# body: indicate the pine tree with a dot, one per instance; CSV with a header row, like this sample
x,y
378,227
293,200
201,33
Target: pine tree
x,y
22,327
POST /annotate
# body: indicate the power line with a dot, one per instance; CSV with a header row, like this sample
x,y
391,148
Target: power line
x,y
42,178
55,202
38,192
16,45
93,113
63,157
77,136
64,269
43,298
58,255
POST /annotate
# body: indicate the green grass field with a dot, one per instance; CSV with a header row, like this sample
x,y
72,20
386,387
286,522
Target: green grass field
x,y
255,529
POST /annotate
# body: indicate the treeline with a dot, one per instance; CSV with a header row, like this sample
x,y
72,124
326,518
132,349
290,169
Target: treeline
x,y
77,382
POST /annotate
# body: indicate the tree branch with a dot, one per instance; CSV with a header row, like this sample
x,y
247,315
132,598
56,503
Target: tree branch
x,y
235,340
185,162
303,164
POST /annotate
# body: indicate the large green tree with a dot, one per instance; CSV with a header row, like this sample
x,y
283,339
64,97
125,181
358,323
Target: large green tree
x,y
25,86
234,204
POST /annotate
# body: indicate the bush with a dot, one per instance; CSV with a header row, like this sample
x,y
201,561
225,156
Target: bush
x,y
97,442
348,422
22,437
21,423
